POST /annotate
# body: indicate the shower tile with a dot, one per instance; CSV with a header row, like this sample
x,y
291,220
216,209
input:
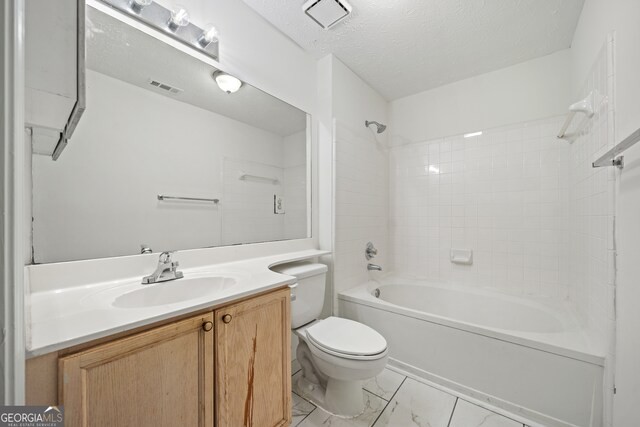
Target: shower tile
x,y
385,384
469,415
373,407
300,408
417,404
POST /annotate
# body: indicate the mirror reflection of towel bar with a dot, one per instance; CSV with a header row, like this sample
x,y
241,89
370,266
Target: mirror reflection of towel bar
x,y
246,176
193,199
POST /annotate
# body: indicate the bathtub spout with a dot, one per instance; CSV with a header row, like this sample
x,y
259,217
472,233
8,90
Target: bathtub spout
x,y
374,267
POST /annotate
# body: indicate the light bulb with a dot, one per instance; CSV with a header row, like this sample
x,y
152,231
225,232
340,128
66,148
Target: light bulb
x,y
179,18
138,5
227,82
209,35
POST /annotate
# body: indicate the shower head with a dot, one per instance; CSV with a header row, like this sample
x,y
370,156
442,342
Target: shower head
x,y
379,126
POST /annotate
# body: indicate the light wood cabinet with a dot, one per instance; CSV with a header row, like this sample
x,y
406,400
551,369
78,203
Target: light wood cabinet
x,y
253,369
226,367
161,377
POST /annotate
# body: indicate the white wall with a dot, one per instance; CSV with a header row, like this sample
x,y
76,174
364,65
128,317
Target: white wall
x,y
361,214
12,190
325,174
361,178
99,199
592,190
294,163
532,90
354,101
599,17
354,167
592,208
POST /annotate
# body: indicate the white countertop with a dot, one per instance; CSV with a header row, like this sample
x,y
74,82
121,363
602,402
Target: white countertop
x,y
68,316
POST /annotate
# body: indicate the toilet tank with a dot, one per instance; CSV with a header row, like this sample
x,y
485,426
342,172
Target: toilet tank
x,y
309,294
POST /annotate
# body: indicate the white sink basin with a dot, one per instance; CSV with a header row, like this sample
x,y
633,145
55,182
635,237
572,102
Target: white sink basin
x,y
174,291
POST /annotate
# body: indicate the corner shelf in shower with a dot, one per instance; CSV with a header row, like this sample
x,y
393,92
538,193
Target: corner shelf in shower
x,y
258,178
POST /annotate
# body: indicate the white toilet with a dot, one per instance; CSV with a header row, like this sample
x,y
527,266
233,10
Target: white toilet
x,y
335,354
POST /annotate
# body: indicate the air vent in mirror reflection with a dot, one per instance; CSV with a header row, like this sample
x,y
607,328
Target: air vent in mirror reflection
x,y
164,86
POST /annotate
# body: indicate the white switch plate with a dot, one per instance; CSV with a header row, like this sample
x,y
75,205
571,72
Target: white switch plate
x,y
278,204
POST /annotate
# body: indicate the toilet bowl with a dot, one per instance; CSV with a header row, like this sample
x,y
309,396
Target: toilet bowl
x,y
333,368
336,355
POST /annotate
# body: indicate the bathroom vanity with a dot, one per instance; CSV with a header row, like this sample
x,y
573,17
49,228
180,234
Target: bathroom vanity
x,y
229,363
221,358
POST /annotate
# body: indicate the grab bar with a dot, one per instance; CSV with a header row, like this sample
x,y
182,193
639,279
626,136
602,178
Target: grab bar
x,y
611,158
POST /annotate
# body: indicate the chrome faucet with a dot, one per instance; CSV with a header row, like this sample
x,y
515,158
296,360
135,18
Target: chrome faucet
x,y
374,267
166,270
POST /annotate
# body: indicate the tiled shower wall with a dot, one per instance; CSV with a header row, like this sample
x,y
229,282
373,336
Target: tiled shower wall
x,y
504,195
592,213
592,207
538,217
361,205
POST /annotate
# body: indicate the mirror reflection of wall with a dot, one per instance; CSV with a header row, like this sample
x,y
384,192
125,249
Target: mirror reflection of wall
x,y
137,140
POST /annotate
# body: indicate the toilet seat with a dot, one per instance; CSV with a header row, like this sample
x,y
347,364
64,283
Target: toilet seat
x,y
346,339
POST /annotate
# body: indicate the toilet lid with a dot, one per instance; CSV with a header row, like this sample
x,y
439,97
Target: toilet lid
x,y
346,337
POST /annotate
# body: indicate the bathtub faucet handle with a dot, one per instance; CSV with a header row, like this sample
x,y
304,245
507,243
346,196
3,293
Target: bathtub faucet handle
x,y
370,251
374,267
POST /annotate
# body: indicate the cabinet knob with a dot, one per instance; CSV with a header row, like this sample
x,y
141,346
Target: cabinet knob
x,y
207,326
226,318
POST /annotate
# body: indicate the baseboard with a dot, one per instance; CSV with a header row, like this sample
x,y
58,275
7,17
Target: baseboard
x,y
526,416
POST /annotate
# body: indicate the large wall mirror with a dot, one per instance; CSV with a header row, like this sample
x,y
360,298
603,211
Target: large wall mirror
x,y
230,168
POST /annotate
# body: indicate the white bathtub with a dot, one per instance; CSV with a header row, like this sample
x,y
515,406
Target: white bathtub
x,y
529,357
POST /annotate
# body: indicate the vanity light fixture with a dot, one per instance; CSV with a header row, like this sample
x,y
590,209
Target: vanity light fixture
x,y
173,22
179,18
227,82
138,5
209,35
471,135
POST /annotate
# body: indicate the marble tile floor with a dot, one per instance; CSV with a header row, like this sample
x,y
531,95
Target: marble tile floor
x,y
394,400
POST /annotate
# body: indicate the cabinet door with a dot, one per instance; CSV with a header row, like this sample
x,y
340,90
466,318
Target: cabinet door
x,y
253,369
160,377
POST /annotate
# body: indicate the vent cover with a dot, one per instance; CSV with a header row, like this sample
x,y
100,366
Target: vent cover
x,y
327,13
165,87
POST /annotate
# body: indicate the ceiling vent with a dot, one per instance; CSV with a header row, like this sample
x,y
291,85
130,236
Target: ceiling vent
x,y
164,87
327,13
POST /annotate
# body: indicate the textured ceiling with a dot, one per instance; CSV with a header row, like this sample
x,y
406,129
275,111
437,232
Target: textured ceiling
x,y
401,47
